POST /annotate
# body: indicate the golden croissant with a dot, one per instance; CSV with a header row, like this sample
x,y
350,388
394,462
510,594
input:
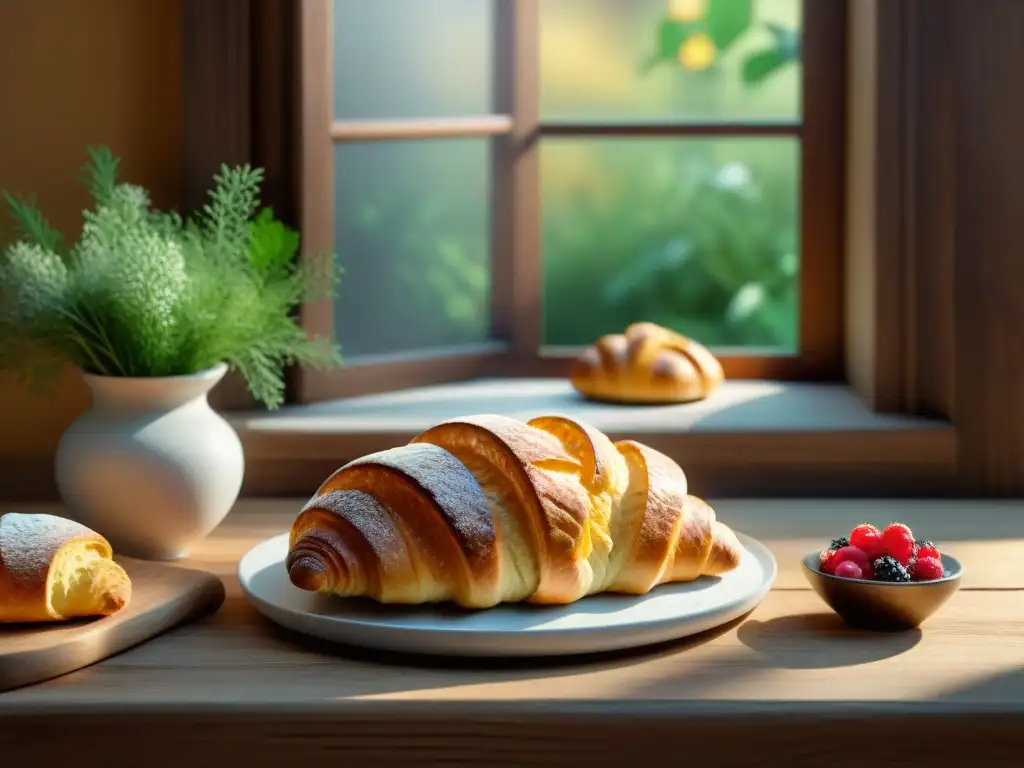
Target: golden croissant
x,y
487,509
646,364
53,569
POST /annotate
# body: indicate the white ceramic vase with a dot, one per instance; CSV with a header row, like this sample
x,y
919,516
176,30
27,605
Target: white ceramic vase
x,y
150,466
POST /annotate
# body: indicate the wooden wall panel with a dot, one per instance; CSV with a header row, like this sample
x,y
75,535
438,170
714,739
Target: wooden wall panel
x,y
217,76
78,74
929,134
866,361
988,59
900,179
216,73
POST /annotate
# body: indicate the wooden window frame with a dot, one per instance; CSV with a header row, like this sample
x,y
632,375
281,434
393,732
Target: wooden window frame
x,y
933,281
516,267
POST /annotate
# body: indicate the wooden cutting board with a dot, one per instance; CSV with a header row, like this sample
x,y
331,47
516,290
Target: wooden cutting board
x,y
163,596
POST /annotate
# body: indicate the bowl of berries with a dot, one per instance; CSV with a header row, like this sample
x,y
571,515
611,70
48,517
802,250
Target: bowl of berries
x,y
883,579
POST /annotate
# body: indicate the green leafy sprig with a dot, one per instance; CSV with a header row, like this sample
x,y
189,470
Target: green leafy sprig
x,y
724,22
146,293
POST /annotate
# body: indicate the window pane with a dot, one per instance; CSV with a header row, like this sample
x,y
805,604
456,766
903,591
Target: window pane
x,y
686,60
412,225
699,235
412,58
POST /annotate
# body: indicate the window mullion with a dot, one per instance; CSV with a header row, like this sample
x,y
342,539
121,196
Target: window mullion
x,y
520,252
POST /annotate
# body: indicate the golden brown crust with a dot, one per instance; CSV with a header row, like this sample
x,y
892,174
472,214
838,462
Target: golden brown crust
x,y
695,543
658,488
345,542
485,509
646,364
447,523
31,547
593,449
550,505
726,550
28,544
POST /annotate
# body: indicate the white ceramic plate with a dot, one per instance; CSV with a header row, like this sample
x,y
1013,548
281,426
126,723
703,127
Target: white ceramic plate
x,y
596,623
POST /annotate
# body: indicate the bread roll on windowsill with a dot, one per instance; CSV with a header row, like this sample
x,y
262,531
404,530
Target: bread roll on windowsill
x,y
646,364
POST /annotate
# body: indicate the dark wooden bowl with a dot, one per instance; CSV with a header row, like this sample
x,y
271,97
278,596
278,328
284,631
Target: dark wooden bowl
x,y
883,605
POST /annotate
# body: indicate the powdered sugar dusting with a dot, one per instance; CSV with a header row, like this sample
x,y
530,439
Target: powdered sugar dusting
x,y
28,544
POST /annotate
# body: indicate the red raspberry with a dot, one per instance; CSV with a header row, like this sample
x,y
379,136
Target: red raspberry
x,y
867,570
868,538
898,541
827,561
903,528
849,570
927,549
862,528
927,569
855,554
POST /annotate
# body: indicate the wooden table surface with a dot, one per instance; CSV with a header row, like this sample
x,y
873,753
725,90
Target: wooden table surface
x,y
787,681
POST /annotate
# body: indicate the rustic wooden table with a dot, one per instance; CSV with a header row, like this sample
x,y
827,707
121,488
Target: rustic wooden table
x,y
788,684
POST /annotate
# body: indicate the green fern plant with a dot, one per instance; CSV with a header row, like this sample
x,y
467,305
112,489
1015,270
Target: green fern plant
x,y
144,292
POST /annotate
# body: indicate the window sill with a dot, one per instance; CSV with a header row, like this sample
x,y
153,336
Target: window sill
x,y
752,438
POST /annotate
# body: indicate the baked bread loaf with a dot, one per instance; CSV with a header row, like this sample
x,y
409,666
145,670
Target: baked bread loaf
x,y
487,509
646,364
52,569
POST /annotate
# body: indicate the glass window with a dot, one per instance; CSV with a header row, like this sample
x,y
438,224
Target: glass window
x,y
697,234
412,58
412,225
682,60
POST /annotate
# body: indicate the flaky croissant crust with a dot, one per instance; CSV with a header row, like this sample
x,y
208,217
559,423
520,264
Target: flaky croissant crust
x,y
487,509
646,364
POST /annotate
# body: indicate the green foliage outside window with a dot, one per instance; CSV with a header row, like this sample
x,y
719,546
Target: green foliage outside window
x,y
685,238
701,235
724,22
698,234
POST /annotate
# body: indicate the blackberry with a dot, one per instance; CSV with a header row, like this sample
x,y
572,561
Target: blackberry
x,y
888,568
923,543
839,543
